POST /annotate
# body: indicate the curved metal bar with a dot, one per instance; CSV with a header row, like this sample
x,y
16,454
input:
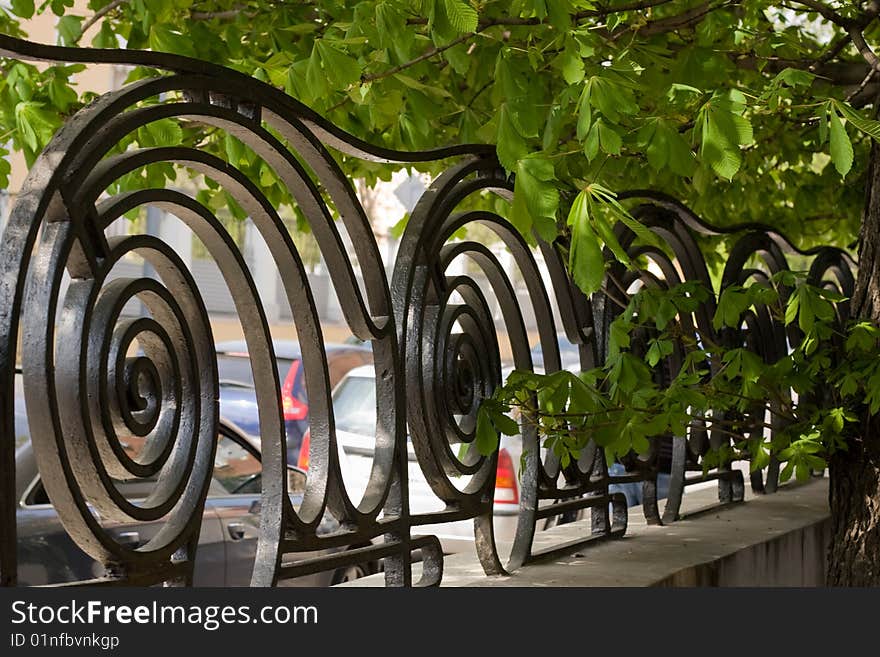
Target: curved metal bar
x,y
345,142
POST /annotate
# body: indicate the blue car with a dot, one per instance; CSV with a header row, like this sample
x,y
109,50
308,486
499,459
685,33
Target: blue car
x,y
238,401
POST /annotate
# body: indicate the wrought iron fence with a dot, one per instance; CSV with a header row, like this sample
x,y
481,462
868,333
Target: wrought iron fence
x,y
434,341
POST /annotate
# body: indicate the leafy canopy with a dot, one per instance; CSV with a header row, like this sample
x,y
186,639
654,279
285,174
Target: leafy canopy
x,y
740,109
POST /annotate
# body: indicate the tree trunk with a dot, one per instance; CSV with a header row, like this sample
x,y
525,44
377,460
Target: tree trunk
x,y
854,495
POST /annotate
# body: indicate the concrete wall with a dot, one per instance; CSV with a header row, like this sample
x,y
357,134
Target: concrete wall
x,y
794,559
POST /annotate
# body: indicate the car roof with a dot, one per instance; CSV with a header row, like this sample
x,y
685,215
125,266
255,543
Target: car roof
x,y
288,349
361,371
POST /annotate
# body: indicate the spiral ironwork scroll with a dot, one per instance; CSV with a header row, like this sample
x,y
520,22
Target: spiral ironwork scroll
x,y
757,254
94,377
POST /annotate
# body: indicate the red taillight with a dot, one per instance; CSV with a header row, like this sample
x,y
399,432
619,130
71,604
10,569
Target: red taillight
x,y
302,461
292,407
506,491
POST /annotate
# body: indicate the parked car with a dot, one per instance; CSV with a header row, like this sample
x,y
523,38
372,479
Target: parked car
x,y
354,411
230,524
238,401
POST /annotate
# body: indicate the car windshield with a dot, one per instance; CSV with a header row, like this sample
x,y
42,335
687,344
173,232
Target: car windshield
x,y
354,405
234,368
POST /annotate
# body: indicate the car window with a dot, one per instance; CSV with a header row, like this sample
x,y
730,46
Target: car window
x,y
236,469
354,405
236,368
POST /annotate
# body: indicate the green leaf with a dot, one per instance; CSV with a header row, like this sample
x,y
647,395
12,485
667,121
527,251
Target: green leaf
x,y
612,99
572,66
591,143
486,439
553,128
69,30
586,263
164,39
505,424
536,195
585,113
608,138
390,23
862,337
795,77
618,337
341,69
681,157
315,80
606,232
35,124
645,234
841,147
791,308
235,150
461,15
553,394
511,146
105,38
717,151
525,116
658,350
868,126
412,83
732,303
724,131
23,8
165,132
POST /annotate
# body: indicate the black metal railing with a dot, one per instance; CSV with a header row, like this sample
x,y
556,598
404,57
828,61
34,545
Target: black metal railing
x,y
434,339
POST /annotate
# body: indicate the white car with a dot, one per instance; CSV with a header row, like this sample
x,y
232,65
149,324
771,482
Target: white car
x,y
354,409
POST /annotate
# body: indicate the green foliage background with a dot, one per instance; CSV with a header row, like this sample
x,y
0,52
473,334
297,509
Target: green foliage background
x,y
733,107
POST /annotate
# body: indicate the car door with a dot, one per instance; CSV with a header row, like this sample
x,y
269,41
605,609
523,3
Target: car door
x,y
47,554
236,504
210,553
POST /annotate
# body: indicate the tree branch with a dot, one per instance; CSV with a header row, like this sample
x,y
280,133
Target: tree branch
x,y
98,15
426,55
208,15
826,12
832,52
677,22
864,83
513,21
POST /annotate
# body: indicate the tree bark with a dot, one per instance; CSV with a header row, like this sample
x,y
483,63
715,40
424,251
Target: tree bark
x,y
854,492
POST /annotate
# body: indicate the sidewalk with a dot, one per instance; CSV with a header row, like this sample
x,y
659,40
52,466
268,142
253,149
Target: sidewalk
x,y
767,540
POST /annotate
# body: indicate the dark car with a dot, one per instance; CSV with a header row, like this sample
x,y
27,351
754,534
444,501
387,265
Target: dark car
x,y
238,401
227,541
230,524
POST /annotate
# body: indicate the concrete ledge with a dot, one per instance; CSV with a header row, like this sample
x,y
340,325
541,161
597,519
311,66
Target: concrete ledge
x,y
768,540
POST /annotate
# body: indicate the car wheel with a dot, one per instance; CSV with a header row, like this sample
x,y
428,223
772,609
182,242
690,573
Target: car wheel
x,y
350,573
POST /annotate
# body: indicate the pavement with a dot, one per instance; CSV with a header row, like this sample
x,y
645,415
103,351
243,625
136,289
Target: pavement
x,y
766,540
